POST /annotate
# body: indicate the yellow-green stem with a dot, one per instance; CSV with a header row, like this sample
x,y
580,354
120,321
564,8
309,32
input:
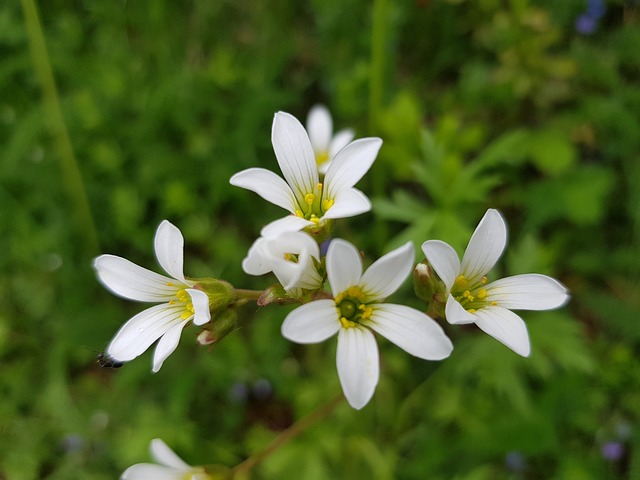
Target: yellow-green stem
x,y
248,294
285,436
57,126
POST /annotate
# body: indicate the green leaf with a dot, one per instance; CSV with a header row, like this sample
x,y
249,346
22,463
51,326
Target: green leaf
x,y
552,152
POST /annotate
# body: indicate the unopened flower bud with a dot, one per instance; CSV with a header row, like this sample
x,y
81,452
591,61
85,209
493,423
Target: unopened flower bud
x,y
220,326
274,294
428,287
206,337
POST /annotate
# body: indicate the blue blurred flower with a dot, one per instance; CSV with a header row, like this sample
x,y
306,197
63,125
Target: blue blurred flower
x,y
238,393
612,451
515,461
586,25
596,9
587,22
262,389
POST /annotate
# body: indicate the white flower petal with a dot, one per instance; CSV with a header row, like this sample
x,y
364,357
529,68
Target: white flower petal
x,y
358,365
456,314
320,128
312,322
147,471
348,203
344,266
294,242
290,223
128,280
485,247
413,331
350,165
142,330
340,140
301,274
387,273
444,260
310,279
272,254
169,247
161,453
268,185
200,301
167,345
506,327
527,292
294,154
257,261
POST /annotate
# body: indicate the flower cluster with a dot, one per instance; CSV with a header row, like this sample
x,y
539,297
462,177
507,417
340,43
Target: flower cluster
x,y
320,173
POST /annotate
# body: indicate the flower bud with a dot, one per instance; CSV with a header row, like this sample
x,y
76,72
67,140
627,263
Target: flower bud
x,y
428,287
220,326
274,294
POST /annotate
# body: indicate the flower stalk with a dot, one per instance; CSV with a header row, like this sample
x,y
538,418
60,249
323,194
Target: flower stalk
x,y
58,127
299,427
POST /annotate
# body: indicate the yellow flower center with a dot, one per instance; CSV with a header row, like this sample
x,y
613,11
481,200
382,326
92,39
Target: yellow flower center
x,y
322,157
183,297
471,296
314,204
352,307
291,257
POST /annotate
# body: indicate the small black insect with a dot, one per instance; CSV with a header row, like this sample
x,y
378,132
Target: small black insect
x,y
107,361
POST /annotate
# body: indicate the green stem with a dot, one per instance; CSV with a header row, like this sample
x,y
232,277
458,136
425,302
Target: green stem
x,y
58,128
285,436
248,294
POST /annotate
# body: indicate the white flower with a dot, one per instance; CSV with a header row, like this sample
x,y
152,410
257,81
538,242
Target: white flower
x,y
356,309
472,300
290,256
171,466
302,194
325,144
182,302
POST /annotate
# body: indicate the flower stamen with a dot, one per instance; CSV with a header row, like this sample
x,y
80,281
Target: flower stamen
x,y
347,323
459,283
309,198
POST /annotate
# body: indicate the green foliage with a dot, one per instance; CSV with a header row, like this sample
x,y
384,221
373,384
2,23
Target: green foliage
x,y
485,104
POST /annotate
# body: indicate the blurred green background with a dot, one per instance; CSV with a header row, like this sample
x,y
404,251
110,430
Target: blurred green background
x,y
531,107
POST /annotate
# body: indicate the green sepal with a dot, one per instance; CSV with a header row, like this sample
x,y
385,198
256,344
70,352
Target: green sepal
x,y
320,233
220,326
428,287
221,294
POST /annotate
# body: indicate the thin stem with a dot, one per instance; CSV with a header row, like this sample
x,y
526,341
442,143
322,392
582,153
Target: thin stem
x,y
58,127
249,294
285,436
